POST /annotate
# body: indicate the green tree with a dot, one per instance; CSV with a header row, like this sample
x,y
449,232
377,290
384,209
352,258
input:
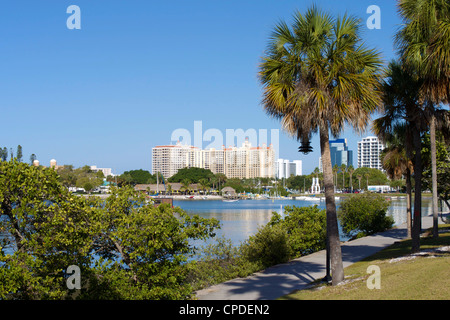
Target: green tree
x,y
364,214
192,174
318,76
125,247
4,154
402,105
46,232
397,163
19,154
32,158
424,45
139,176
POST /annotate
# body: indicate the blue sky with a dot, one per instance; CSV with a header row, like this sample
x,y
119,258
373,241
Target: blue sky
x,y
137,70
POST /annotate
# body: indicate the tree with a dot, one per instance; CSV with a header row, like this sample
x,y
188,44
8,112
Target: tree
x,y
45,228
125,247
192,174
350,172
396,162
359,176
32,158
318,76
424,44
401,104
364,214
19,154
4,154
343,170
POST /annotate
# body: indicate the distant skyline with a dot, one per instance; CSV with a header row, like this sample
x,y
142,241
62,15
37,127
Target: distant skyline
x,y
106,94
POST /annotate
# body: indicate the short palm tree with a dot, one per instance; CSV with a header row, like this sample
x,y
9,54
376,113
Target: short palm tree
x,y
318,76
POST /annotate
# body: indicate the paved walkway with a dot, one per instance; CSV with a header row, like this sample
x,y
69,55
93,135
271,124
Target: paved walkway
x,y
297,274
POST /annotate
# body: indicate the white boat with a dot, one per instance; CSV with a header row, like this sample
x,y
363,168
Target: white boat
x,y
230,200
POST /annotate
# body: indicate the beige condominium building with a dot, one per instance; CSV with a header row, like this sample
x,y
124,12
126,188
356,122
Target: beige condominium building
x,y
235,162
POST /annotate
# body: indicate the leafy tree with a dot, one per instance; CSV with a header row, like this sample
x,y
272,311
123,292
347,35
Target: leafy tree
x,y
364,214
45,229
192,174
139,176
317,77
125,247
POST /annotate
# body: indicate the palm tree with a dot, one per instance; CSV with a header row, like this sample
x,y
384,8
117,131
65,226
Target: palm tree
x,y
424,44
343,170
359,176
317,77
396,162
401,103
366,175
186,186
350,172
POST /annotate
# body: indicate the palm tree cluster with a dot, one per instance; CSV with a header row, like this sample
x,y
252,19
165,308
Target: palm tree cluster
x,y
318,76
416,87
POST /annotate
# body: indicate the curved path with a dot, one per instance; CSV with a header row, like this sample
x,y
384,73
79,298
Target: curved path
x,y
296,274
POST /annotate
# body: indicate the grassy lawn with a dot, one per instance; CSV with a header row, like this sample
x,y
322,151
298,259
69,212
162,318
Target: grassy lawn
x,y
425,277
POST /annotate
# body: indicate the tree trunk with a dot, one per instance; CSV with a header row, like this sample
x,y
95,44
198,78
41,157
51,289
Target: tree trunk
x,y
417,219
334,245
434,175
408,202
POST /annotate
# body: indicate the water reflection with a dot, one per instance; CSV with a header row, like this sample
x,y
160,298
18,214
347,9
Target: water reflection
x,y
241,219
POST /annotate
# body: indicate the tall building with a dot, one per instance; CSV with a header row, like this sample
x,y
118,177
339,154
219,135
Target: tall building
x,y
340,154
369,150
235,162
169,159
285,169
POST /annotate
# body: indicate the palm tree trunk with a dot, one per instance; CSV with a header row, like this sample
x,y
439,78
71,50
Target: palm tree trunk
x,y
417,219
434,175
333,241
408,202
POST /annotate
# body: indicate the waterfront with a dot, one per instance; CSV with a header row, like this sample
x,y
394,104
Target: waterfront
x,y
241,219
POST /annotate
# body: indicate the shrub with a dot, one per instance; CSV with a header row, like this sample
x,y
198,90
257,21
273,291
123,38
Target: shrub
x,y
306,229
269,246
364,214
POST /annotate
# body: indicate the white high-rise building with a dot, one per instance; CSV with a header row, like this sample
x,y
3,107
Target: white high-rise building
x,y
285,169
369,150
235,162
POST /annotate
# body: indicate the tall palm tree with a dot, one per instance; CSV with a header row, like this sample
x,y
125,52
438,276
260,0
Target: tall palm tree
x,y
424,44
401,103
396,163
359,177
343,170
318,76
350,170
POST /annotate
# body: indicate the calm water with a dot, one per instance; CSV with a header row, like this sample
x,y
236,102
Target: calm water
x,y
241,219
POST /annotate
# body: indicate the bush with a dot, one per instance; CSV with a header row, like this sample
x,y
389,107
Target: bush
x,y
269,246
364,214
306,229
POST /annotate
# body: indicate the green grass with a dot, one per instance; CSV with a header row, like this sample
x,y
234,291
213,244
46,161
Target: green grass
x,y
421,278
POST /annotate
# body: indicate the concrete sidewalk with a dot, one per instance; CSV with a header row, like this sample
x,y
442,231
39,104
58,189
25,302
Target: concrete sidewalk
x,y
297,274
